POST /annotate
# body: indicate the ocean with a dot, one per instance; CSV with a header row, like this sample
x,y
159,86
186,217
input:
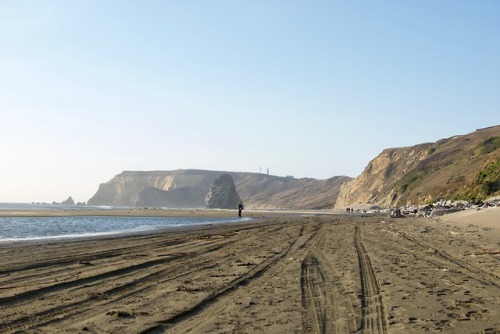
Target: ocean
x,y
14,229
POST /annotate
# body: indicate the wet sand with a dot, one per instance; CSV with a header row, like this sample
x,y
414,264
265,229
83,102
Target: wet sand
x,y
283,273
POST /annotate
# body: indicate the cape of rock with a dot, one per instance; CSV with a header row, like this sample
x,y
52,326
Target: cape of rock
x,y
222,194
456,168
188,189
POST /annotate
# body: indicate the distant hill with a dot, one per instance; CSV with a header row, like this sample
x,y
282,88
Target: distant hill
x,y
460,167
188,188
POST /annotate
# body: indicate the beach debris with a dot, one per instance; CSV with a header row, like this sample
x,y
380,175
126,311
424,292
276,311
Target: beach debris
x,y
396,213
247,264
87,263
120,314
485,252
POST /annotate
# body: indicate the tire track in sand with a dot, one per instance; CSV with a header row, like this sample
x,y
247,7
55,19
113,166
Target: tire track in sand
x,y
326,309
486,276
315,297
251,280
323,304
55,313
212,299
372,307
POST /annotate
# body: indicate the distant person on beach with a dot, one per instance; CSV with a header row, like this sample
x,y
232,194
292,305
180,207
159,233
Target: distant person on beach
x,y
240,207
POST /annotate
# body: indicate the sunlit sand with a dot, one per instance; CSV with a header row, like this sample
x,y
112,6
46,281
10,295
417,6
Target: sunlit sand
x,y
283,273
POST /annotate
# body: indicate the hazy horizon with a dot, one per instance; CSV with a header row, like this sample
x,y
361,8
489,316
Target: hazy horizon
x,y
318,89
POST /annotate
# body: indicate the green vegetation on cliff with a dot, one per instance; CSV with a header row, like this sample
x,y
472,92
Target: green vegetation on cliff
x,y
408,181
489,145
487,182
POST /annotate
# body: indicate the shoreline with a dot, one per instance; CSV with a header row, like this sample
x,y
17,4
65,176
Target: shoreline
x,y
212,215
112,235
125,212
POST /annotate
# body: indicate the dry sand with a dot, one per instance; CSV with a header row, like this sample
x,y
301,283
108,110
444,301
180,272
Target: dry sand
x,y
284,273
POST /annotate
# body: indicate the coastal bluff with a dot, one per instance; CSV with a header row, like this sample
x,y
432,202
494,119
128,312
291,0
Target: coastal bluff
x,y
455,168
462,167
188,188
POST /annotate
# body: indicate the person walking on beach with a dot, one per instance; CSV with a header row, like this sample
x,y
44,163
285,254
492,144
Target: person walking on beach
x,y
240,207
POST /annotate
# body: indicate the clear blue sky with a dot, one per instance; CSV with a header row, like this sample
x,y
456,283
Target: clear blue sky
x,y
305,88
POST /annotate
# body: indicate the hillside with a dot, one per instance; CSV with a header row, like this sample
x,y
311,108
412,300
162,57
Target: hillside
x,y
460,167
188,188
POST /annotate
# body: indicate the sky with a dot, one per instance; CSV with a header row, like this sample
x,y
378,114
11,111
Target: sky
x,y
90,88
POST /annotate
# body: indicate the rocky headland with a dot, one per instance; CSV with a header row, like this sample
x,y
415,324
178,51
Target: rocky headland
x,y
464,167
189,189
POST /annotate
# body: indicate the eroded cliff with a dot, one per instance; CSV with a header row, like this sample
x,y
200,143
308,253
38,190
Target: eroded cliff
x,y
460,167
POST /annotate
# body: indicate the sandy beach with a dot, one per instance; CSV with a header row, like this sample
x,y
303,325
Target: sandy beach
x,y
282,273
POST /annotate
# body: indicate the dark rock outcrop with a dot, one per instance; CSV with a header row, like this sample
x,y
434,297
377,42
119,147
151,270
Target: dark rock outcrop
x,y
222,194
69,201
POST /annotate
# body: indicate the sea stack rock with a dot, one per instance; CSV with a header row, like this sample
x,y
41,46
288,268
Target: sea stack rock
x,y
69,201
222,194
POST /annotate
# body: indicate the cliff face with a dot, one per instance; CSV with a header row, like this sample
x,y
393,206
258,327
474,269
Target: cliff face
x,y
176,189
376,184
188,189
460,167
